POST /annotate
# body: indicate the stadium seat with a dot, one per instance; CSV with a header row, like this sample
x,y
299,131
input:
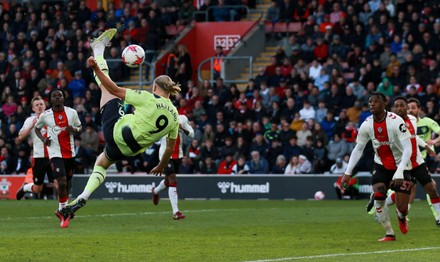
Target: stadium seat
x,y
294,27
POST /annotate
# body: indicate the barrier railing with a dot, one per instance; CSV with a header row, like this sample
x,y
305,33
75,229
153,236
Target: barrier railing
x,y
198,14
223,73
144,78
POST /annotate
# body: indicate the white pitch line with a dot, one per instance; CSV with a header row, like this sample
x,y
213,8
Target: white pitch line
x,y
345,254
124,214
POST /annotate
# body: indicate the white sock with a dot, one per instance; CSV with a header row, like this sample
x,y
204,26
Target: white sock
x,y
399,214
61,205
98,50
160,187
383,216
389,201
28,187
437,209
85,195
172,194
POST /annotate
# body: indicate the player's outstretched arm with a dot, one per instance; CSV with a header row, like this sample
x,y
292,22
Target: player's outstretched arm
x,y
406,155
165,157
106,82
25,132
356,154
424,145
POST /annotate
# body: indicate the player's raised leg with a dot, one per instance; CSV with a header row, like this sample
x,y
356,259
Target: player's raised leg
x,y
98,47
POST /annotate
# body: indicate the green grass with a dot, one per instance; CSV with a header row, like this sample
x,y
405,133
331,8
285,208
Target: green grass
x,y
213,231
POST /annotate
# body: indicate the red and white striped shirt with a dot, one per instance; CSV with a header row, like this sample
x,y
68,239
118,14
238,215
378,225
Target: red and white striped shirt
x,y
386,137
416,156
39,149
62,143
178,150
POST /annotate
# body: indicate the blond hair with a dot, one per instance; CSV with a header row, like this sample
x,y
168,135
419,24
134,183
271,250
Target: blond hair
x,y
167,85
35,99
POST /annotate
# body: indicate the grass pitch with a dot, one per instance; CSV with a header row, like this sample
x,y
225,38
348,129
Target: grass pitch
x,y
129,230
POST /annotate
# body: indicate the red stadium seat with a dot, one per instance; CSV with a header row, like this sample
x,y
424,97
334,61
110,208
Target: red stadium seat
x,y
294,27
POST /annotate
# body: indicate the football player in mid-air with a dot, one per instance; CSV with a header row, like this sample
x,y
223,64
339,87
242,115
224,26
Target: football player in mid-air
x,y
127,135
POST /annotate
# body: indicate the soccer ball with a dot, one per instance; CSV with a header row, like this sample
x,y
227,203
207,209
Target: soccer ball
x,y
319,195
133,56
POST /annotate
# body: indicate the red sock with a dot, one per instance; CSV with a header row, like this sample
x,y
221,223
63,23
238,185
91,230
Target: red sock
x,y
435,200
63,199
393,197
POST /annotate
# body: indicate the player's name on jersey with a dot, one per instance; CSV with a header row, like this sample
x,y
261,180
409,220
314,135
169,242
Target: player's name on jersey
x,y
168,108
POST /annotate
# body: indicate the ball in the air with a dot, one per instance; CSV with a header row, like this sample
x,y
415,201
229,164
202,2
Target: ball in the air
x,y
133,56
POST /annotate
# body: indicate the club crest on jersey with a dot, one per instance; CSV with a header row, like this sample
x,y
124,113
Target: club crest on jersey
x,y
402,128
60,117
380,130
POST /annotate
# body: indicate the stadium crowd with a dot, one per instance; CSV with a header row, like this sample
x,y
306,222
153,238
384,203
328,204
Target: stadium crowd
x,y
298,115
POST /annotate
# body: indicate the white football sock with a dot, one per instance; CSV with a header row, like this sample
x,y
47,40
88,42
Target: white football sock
x,y
61,205
383,216
160,187
98,50
172,194
389,201
28,187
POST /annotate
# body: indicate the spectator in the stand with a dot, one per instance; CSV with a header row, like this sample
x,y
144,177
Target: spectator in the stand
x,y
185,13
328,124
304,167
286,11
349,135
229,148
259,144
183,57
303,134
321,50
354,112
338,167
272,133
222,13
280,165
77,86
358,89
315,69
385,87
292,148
242,147
273,14
225,166
208,150
322,79
307,112
60,68
336,148
240,167
297,122
333,100
319,134
186,167
292,167
90,142
258,164
193,151
274,150
341,123
208,166
9,107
